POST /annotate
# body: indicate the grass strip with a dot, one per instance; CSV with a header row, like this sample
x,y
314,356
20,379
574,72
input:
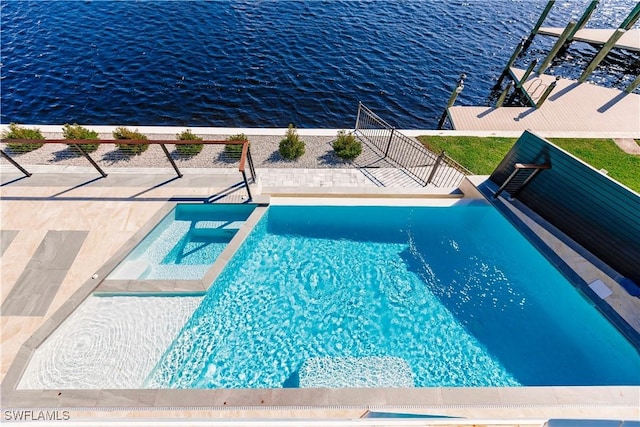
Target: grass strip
x,y
481,155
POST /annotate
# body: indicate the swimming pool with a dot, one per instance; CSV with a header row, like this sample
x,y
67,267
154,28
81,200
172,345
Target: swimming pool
x,y
184,245
339,296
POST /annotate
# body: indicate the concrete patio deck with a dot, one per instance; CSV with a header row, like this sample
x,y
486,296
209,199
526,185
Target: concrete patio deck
x,y
113,210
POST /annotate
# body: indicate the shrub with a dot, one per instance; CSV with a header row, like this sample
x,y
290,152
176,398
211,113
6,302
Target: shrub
x,y
124,133
17,132
234,151
291,147
76,131
347,146
188,149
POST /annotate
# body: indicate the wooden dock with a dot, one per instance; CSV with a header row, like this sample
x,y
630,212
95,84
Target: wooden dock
x,y
630,40
571,107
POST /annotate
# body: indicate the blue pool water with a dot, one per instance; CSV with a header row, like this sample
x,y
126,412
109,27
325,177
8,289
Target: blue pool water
x,y
185,243
238,63
433,296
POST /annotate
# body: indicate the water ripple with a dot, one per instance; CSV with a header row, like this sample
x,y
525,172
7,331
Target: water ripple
x,y
246,63
108,343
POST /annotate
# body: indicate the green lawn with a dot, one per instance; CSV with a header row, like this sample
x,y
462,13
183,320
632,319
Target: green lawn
x,y
482,155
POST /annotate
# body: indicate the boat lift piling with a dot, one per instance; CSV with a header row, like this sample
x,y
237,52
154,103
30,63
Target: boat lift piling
x,y
535,29
631,19
601,54
556,47
581,22
503,95
524,78
454,94
514,56
547,92
634,84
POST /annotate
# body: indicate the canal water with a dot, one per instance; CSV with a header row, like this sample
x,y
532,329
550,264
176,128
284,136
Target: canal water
x,y
268,63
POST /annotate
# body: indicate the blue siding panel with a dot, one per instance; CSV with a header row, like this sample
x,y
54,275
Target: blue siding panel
x,y
589,207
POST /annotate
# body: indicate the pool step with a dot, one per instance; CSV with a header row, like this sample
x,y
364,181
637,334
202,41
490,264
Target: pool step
x,y
212,235
369,371
195,213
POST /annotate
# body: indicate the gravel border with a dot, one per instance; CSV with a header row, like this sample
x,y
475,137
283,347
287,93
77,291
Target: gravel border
x,y
264,151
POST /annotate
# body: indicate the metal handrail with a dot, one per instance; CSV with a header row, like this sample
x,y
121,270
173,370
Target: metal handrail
x,y
245,156
517,169
406,153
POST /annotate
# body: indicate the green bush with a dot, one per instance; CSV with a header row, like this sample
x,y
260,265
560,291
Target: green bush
x,y
190,149
17,132
347,146
124,133
76,131
234,151
291,147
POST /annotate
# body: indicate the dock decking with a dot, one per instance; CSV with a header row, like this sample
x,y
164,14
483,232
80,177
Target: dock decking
x,y
630,40
571,107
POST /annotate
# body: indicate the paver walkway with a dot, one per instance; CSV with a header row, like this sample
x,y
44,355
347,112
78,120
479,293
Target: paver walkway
x,y
628,145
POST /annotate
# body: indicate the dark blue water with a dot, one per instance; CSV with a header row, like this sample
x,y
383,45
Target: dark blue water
x,y
267,63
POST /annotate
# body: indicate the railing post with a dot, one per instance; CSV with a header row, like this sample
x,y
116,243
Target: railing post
x,y
251,168
452,99
246,184
14,163
175,167
509,63
386,151
634,84
435,168
546,93
541,19
601,54
358,115
503,95
88,157
556,47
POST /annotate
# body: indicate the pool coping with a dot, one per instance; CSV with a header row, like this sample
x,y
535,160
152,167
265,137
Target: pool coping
x,y
252,399
364,398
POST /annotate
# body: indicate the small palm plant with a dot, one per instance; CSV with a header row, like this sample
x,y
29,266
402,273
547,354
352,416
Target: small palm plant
x,y
291,147
188,149
18,132
76,131
124,133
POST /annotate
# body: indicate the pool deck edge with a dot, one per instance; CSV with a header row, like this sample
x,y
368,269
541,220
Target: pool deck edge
x,y
624,398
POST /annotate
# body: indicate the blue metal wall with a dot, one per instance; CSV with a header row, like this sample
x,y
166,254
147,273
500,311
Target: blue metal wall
x,y
586,205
